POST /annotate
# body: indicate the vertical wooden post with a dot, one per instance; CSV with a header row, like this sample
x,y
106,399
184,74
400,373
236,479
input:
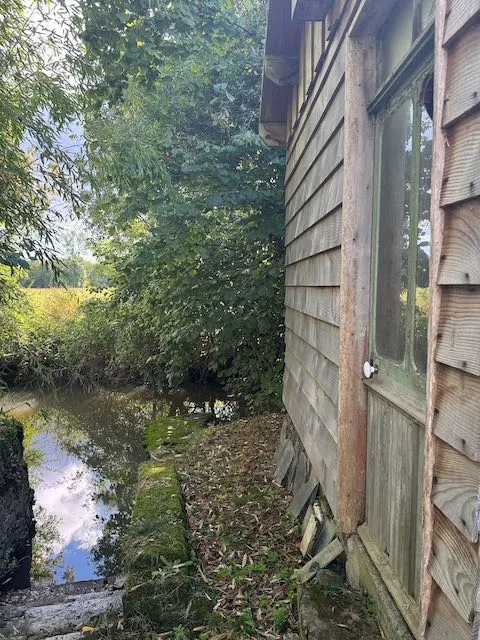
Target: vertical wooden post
x,y
437,221
355,282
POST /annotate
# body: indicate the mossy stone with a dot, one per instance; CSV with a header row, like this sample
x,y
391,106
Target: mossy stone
x,y
157,532
172,433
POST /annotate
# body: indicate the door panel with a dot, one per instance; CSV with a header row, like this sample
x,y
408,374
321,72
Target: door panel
x,y
394,488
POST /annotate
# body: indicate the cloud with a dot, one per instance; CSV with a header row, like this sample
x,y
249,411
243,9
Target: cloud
x,y
66,492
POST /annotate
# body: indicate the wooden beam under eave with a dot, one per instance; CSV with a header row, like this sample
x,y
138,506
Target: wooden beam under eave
x,y
274,134
281,69
310,10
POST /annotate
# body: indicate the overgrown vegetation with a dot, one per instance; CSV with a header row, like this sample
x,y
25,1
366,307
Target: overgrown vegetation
x,y
185,202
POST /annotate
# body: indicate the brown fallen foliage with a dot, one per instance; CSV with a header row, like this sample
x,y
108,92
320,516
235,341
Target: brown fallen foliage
x,y
247,546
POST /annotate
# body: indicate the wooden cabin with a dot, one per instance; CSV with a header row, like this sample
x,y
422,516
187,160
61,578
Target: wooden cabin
x,y
377,103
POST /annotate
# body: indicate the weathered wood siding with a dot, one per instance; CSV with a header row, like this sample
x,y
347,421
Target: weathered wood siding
x,y
314,188
454,558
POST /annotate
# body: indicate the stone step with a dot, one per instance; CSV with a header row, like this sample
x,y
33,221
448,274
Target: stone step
x,y
57,611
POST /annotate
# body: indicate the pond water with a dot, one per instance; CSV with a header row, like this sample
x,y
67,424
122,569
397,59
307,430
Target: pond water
x,y
83,452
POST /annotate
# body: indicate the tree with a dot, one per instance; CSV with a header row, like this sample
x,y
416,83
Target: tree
x,y
186,196
36,107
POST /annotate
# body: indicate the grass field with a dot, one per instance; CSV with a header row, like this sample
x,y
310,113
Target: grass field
x,y
55,302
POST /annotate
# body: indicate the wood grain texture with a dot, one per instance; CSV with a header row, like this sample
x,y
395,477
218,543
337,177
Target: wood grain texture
x,y
394,487
407,605
320,367
460,262
459,329
321,336
456,489
318,42
355,282
437,223
325,201
444,621
315,438
325,85
461,179
315,175
457,411
460,14
454,565
302,157
463,79
322,270
325,235
319,561
323,406
321,303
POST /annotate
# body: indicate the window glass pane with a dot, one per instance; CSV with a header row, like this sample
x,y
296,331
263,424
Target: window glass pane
x,y
396,38
423,242
394,227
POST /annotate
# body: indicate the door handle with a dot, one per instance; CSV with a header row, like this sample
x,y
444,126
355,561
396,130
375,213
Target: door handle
x,y
369,369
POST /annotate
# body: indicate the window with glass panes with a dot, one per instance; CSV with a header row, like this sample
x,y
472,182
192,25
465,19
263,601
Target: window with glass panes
x,y
403,140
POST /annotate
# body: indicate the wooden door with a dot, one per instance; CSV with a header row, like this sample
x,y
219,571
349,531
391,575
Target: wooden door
x,y
398,332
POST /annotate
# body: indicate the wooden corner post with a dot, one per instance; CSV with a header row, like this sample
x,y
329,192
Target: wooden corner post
x,y
355,282
437,222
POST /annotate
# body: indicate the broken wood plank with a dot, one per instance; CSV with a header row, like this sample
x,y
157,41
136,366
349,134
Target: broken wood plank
x,y
325,535
309,536
303,495
284,461
320,561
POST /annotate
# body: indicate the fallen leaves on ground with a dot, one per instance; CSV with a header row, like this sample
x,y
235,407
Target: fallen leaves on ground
x,y
247,547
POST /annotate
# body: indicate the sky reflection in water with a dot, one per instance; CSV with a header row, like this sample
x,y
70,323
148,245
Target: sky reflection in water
x,y
83,452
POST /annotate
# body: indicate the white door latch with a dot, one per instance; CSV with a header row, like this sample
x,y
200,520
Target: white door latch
x,y
369,369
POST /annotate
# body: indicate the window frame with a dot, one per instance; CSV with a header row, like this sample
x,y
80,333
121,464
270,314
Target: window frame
x,y
406,82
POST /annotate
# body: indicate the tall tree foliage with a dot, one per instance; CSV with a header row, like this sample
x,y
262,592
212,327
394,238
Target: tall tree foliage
x,y
35,106
185,194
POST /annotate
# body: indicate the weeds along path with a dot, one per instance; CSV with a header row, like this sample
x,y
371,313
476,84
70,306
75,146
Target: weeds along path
x,y
246,544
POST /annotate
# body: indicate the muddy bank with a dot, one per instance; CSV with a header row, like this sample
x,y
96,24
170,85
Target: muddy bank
x,y
16,508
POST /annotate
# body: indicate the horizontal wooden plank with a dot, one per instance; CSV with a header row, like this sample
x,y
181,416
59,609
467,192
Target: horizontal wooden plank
x,y
456,489
459,329
326,84
457,411
323,236
454,565
460,261
315,175
321,448
322,303
460,14
321,336
326,127
444,621
462,93
461,175
321,403
318,366
407,605
325,201
322,270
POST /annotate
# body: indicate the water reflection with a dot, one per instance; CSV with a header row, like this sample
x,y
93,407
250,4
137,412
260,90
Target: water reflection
x,y
83,452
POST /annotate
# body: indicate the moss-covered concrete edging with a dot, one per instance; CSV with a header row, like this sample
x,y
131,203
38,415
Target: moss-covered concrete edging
x,y
161,582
